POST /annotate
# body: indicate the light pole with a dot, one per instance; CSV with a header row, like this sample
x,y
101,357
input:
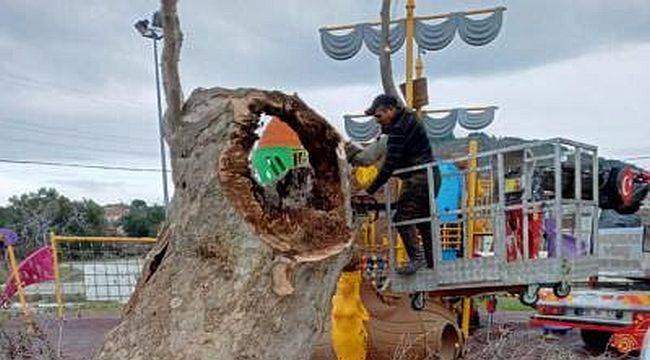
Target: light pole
x,y
153,31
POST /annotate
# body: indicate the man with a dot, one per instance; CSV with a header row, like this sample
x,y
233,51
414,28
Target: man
x,y
407,146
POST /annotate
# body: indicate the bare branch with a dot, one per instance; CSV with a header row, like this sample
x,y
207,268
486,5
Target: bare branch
x,y
173,39
385,65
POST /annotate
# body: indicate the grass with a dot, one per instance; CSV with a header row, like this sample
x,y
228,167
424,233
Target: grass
x,y
506,303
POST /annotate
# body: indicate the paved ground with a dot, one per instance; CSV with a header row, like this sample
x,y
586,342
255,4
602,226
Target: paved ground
x,y
81,336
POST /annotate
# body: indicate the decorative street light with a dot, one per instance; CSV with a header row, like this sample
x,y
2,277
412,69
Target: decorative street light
x,y
153,30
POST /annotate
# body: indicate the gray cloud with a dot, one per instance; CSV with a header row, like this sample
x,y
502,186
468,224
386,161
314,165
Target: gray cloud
x,y
78,82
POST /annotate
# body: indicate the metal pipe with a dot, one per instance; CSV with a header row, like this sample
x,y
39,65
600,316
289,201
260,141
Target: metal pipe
x,y
485,154
595,208
58,293
558,199
163,156
430,17
435,230
389,231
105,239
432,111
469,245
527,186
577,193
499,227
19,283
410,25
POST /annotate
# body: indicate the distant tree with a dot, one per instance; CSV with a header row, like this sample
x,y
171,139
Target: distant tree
x,y
143,220
34,215
86,218
5,217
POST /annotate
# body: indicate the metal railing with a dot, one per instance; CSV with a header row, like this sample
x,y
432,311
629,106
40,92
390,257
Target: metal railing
x,y
541,161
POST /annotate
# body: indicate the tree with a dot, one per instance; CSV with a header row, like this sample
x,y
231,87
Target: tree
x,y
229,279
34,215
142,220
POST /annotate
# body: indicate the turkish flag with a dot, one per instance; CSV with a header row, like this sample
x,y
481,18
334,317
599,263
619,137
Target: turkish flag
x,y
36,268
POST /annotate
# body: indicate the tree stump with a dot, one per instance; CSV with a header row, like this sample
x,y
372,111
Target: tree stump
x,y
230,279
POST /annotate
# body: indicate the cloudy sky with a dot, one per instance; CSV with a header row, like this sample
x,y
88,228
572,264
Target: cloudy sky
x,y
78,82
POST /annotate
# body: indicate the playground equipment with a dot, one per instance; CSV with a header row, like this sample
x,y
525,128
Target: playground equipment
x,y
278,151
557,185
348,332
93,269
75,270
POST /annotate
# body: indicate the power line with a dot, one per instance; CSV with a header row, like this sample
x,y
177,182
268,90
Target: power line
x,y
73,165
69,92
75,147
54,130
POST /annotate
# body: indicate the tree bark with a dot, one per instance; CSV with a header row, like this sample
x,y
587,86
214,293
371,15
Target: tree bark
x,y
385,64
233,277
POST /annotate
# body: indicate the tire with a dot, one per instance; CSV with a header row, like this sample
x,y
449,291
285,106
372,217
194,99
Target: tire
x,y
562,290
595,340
530,296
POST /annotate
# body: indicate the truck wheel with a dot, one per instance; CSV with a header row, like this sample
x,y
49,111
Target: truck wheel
x,y
595,340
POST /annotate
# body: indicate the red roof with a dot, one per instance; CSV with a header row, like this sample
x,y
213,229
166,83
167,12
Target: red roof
x,y
278,133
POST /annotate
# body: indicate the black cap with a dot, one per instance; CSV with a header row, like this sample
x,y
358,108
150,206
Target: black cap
x,y
384,100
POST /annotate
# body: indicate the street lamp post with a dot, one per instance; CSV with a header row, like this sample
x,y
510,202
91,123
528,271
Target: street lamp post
x,y
154,32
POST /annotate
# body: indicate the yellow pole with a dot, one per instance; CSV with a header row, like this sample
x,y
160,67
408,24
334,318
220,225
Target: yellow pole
x,y
471,195
57,276
19,282
469,248
410,26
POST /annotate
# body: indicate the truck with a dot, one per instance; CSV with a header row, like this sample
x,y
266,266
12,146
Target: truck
x,y
613,309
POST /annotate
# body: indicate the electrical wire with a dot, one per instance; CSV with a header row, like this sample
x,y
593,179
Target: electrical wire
x,y
83,166
21,125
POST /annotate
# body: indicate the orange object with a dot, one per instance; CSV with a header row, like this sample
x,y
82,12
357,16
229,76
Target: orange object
x,y
278,133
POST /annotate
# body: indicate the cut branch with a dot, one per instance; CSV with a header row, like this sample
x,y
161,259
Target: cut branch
x,y
173,39
385,64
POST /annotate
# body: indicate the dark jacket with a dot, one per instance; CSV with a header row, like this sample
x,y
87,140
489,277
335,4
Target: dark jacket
x,y
407,146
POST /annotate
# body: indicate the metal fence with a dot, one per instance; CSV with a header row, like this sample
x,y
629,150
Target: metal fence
x,y
90,270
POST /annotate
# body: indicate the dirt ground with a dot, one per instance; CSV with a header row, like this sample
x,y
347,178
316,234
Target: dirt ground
x,y
83,334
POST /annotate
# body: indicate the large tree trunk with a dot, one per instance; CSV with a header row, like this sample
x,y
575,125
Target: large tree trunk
x,y
232,276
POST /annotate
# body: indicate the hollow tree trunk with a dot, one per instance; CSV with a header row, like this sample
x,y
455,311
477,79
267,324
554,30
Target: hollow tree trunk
x,y
231,276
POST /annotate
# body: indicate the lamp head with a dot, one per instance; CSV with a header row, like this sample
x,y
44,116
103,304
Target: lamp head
x,y
142,26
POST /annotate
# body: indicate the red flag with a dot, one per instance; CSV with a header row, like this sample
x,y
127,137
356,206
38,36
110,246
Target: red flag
x,y
36,268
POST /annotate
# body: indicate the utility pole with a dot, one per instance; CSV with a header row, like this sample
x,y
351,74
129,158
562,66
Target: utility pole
x,y
154,32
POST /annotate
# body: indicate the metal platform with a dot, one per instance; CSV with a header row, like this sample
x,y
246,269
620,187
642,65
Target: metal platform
x,y
544,188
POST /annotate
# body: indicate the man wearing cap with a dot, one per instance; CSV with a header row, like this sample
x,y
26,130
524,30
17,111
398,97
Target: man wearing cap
x,y
407,146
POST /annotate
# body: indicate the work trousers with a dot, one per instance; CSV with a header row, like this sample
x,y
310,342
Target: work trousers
x,y
413,203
